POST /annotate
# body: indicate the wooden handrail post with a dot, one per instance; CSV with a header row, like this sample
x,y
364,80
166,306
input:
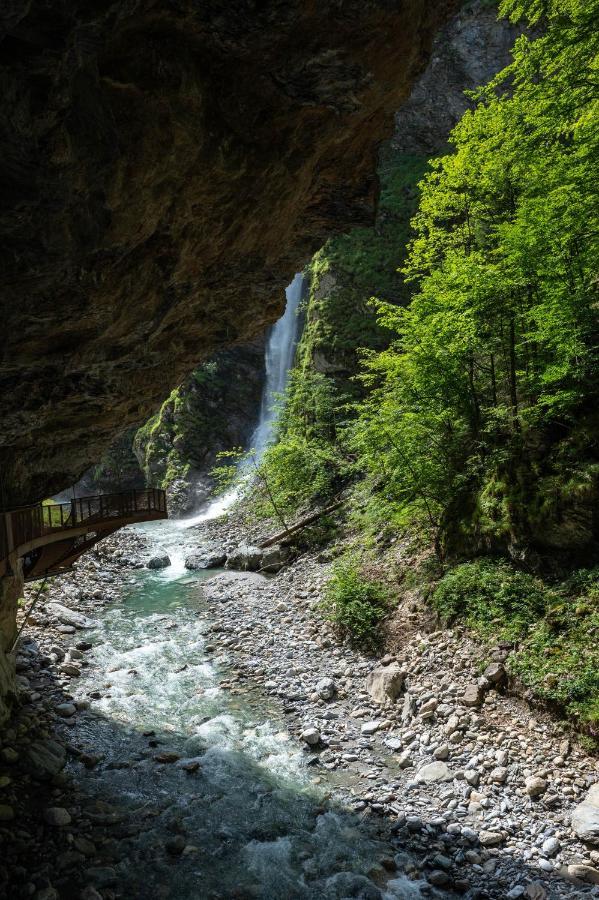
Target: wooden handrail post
x,y
10,544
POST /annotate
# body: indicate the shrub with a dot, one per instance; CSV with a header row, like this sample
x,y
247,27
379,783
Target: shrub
x,y
490,597
356,604
555,628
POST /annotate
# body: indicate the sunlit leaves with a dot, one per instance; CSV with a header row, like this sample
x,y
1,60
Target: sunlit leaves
x,y
500,339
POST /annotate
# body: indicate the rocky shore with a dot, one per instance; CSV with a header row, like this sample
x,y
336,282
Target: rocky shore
x,y
47,838
476,795
484,789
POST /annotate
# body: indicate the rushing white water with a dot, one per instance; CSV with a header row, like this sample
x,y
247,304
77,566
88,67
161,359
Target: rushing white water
x,y
279,354
280,351
259,821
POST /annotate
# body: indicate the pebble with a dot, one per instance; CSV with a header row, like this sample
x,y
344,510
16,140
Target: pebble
x,y
535,786
551,847
370,727
440,715
491,838
57,816
310,736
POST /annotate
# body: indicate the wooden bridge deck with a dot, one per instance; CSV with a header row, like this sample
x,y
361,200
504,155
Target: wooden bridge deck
x,y
49,538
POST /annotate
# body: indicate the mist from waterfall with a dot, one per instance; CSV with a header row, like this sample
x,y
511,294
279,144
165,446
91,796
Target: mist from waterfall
x,y
278,356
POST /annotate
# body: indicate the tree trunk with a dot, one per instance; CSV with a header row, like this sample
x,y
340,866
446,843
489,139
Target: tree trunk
x,y
303,523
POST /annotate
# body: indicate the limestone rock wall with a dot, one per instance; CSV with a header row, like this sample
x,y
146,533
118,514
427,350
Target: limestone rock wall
x,y
166,168
468,51
215,410
11,588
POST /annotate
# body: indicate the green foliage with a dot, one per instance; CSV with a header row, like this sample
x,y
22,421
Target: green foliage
x,y
204,415
311,458
497,351
491,598
355,602
353,266
305,464
554,628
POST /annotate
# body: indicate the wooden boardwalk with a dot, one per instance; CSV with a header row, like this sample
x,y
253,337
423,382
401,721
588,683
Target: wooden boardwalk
x,y
49,538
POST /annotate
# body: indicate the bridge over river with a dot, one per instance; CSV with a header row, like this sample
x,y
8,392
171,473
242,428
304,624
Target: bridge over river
x,y
48,538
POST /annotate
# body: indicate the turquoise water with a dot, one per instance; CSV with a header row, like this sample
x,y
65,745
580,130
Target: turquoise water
x,y
237,814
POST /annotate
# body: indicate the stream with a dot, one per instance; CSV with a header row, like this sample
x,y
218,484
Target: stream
x,y
203,786
217,799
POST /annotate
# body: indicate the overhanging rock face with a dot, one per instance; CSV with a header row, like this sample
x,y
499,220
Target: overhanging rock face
x,y
166,168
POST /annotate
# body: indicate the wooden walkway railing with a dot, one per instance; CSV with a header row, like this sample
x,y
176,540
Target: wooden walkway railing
x,y
31,528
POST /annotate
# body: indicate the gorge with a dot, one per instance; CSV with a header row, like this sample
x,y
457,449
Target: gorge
x,y
361,660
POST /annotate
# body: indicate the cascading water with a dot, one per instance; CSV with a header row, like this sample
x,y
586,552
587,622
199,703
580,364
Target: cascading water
x,y
279,353
280,350
186,759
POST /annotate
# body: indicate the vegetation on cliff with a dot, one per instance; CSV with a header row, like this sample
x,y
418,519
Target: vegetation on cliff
x,y
476,412
213,410
472,417
476,418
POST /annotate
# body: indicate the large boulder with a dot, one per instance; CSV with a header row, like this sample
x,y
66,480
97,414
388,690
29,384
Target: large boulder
x,y
245,558
44,759
274,558
434,771
160,561
69,616
385,683
585,818
205,559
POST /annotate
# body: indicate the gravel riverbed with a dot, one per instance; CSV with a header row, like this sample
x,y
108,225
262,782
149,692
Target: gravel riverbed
x,y
458,788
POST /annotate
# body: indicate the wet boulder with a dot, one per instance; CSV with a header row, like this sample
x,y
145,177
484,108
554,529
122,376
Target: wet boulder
x,y
245,558
44,759
310,736
348,884
160,561
206,558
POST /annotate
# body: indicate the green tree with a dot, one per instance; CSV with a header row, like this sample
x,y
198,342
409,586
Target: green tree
x,y
497,351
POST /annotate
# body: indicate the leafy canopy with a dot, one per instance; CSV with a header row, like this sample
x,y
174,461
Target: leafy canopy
x,y
499,342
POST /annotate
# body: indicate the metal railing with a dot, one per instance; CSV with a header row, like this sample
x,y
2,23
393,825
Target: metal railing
x,y
21,526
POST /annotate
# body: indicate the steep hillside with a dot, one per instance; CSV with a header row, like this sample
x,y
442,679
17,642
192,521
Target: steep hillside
x,y
340,320
456,416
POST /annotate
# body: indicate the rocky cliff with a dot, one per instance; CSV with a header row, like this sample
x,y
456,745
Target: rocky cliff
x,y
214,410
166,168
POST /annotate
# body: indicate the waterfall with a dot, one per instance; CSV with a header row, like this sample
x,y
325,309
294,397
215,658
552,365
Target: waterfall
x,y
280,350
278,358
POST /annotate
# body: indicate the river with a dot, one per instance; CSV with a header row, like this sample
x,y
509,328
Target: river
x,y
216,799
